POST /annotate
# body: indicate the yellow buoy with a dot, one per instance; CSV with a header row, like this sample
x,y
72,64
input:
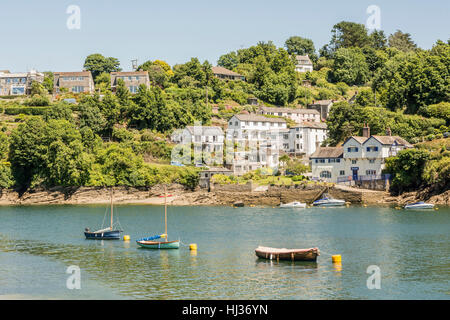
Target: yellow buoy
x,y
193,246
126,238
336,258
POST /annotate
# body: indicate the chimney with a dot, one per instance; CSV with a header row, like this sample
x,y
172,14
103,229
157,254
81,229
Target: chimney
x,y
366,131
388,131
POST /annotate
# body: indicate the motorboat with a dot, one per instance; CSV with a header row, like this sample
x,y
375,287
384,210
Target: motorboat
x,y
327,201
419,205
294,204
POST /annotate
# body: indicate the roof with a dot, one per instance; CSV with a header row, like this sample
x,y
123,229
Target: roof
x,y
321,102
217,169
314,125
384,140
390,140
328,152
129,73
73,74
206,129
222,70
290,110
303,60
256,117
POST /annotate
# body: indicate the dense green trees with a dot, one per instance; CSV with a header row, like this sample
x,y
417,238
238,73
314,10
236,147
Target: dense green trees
x,y
301,46
401,41
350,66
97,64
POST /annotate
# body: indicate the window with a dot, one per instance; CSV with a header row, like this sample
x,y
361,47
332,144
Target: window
x,y
235,123
371,160
342,172
133,89
352,149
77,89
354,161
372,148
325,174
371,172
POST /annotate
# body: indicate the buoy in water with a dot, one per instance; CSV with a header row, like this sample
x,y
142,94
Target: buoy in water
x,y
193,246
336,258
126,238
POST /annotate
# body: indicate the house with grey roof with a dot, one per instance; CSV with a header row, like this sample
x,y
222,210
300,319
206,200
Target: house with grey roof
x,y
225,74
360,158
298,115
131,79
303,64
75,82
322,106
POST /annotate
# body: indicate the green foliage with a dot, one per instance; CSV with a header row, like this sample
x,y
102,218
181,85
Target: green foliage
x,y
37,100
350,66
440,110
97,64
301,46
347,35
407,169
401,41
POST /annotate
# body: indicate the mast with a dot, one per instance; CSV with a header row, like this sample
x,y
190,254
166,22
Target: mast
x,y
112,192
165,212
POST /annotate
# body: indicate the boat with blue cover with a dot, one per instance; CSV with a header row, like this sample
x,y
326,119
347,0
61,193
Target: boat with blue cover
x,y
152,242
419,205
108,233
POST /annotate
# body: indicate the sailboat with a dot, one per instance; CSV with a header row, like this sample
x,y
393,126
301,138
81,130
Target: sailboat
x,y
153,242
107,233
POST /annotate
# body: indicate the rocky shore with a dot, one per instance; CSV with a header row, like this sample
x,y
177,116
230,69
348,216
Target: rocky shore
x,y
219,195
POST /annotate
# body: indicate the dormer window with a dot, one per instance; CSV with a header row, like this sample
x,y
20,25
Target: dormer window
x,y
372,148
352,149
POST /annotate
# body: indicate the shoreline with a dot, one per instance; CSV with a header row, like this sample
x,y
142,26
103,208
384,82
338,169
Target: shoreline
x,y
218,196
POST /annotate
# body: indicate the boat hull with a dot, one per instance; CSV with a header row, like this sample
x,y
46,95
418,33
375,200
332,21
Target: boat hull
x,y
287,254
290,205
159,245
329,204
107,235
419,207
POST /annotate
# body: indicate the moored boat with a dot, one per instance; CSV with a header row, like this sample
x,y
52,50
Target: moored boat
x,y
294,204
419,205
106,233
327,201
151,242
310,254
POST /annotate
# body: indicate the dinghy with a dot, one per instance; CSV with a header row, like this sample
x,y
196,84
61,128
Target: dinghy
x,y
419,205
287,254
152,243
294,204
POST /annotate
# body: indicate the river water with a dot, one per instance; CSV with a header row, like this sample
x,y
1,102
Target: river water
x,y
411,249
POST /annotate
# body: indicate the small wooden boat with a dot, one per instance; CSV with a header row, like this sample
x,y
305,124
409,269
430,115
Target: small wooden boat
x,y
294,204
419,205
287,254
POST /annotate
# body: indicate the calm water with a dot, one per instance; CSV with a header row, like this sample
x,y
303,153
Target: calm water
x,y
412,249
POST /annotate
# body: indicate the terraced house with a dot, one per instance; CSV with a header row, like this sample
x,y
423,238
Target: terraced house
x,y
132,80
298,115
14,84
75,82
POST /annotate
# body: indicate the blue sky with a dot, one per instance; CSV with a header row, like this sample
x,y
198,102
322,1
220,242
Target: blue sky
x,y
34,33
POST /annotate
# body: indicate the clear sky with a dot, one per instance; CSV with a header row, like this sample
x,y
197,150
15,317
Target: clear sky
x,y
34,33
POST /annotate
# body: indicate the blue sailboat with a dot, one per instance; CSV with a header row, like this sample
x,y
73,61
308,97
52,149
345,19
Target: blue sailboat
x,y
107,233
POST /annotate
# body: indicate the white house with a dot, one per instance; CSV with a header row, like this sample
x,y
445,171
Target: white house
x,y
18,83
359,158
298,115
253,142
303,64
